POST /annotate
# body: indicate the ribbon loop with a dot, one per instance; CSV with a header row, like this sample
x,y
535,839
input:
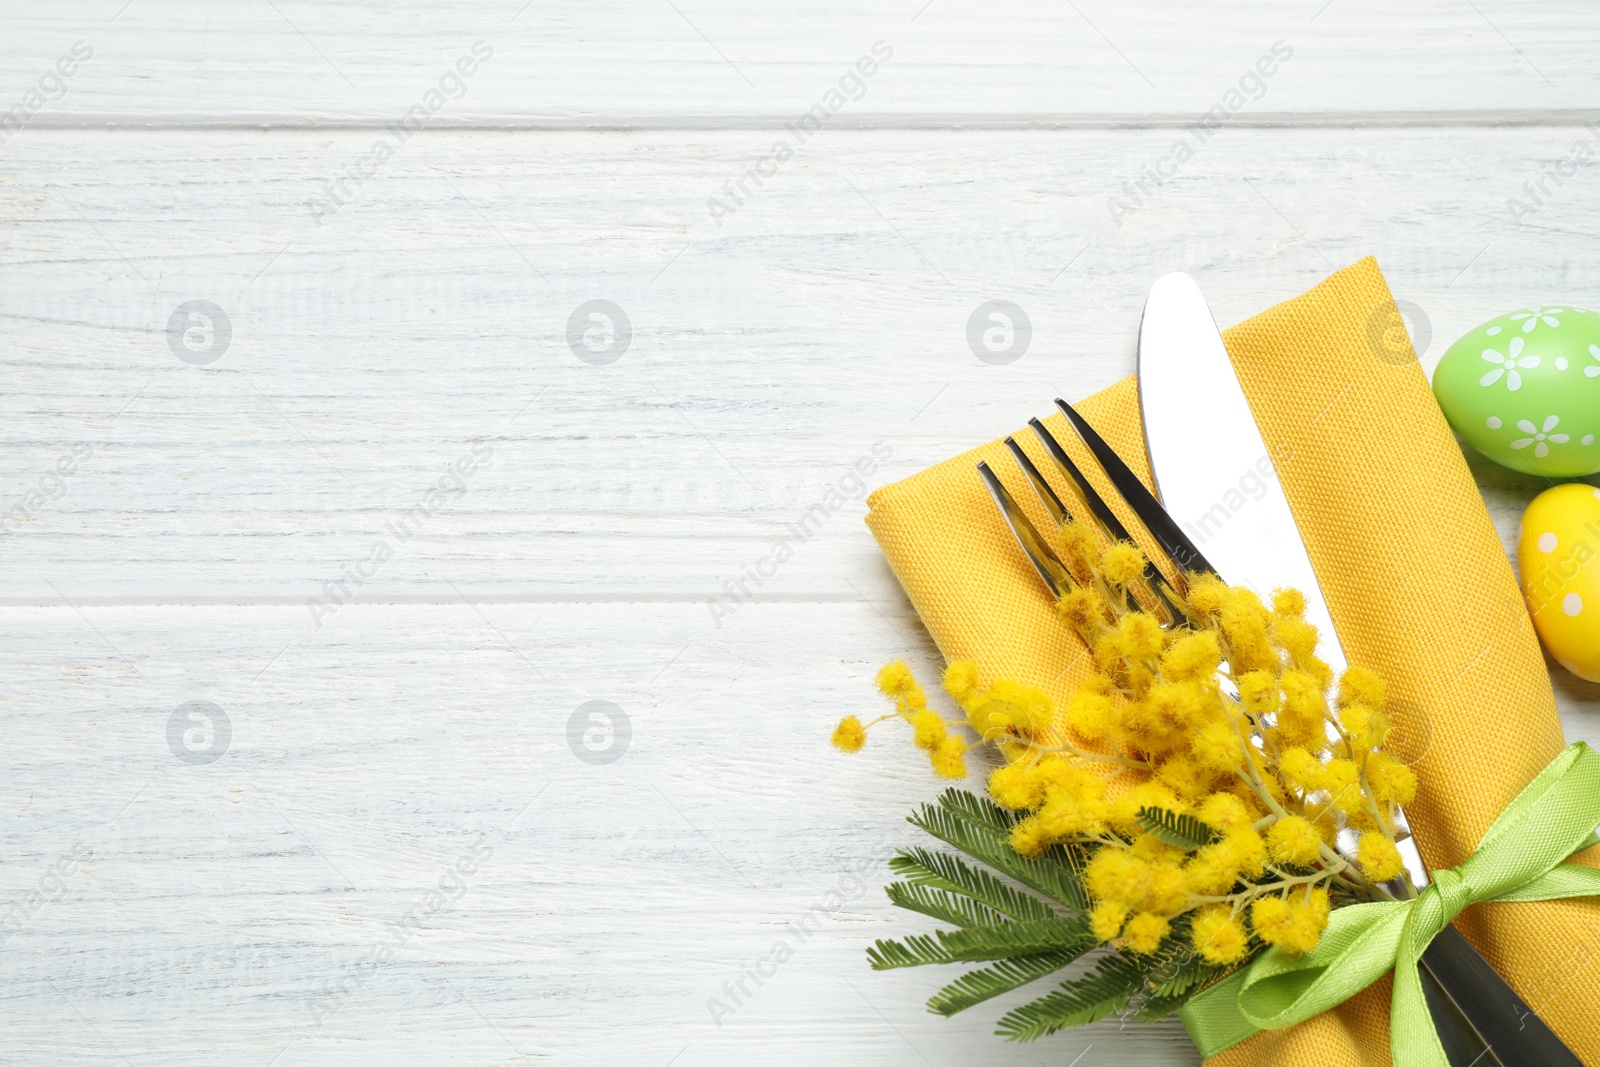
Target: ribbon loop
x,y
1519,858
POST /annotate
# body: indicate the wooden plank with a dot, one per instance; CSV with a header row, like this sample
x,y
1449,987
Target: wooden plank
x,y
768,356
579,62
208,907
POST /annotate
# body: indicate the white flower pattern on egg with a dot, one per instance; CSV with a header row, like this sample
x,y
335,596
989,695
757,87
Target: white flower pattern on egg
x,y
1594,354
1534,316
1539,435
1506,365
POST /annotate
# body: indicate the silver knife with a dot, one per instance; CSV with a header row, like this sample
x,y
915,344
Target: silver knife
x,y
1218,481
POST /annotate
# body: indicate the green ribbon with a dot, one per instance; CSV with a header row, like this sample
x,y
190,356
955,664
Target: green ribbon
x,y
1519,859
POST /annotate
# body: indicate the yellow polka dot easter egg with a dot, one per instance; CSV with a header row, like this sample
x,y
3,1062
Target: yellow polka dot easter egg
x,y
1559,556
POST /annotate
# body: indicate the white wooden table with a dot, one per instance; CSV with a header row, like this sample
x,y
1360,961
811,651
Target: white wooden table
x,y
388,842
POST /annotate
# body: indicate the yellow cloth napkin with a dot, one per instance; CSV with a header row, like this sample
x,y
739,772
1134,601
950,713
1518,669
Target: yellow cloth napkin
x,y
1416,581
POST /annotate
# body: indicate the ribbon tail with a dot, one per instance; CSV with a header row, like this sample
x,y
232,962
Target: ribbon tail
x,y
1412,1037
1564,880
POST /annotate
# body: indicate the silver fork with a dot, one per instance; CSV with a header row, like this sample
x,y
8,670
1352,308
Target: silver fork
x,y
1479,1018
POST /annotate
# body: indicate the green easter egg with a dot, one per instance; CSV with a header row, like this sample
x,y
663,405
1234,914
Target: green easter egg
x,y
1524,389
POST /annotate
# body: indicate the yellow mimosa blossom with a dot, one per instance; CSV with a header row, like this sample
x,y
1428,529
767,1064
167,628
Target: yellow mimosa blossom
x,y
1029,838
1224,813
1122,563
1125,809
1293,923
1108,651
1141,635
1082,608
1361,820
1270,918
1218,936
947,758
1358,685
1106,919
1184,777
1298,638
1033,708
1146,729
1304,704
961,680
1247,851
1258,692
1116,876
1211,871
1012,787
1355,720
849,735
1244,625
1289,602
1293,840
1093,715
1063,779
1378,856
896,681
1192,656
1390,779
1301,770
1145,931
1165,891
1217,746
1341,779
928,730
1321,816
1080,550
1152,848
1208,595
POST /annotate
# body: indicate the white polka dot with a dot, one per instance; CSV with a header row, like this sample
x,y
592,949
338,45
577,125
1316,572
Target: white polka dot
x,y
1561,363
1572,603
1491,331
1588,439
1547,542
1494,422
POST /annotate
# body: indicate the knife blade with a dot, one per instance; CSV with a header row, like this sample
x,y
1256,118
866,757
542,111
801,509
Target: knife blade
x,y
1216,477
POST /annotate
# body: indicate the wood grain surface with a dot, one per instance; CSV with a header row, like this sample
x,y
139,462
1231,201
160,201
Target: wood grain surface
x,y
303,651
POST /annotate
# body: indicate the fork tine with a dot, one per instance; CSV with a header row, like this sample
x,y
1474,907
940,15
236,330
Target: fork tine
x,y
1173,541
1051,570
1047,495
1109,524
1104,517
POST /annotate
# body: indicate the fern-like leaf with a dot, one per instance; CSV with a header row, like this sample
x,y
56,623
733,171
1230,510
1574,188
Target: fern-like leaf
x,y
1152,1008
1179,831
949,872
1179,973
981,829
977,808
975,987
943,905
1104,991
982,943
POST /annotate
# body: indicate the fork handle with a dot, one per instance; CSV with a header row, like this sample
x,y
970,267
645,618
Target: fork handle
x,y
1516,1036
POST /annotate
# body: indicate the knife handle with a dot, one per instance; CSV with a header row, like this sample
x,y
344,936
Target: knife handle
x,y
1516,1036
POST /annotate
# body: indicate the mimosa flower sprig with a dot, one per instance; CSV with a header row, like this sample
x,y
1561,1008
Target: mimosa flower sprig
x,y
1184,809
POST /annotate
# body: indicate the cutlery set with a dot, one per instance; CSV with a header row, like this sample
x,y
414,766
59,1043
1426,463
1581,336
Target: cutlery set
x,y
1203,444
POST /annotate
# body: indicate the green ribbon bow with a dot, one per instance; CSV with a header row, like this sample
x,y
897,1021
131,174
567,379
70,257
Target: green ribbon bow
x,y
1519,859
